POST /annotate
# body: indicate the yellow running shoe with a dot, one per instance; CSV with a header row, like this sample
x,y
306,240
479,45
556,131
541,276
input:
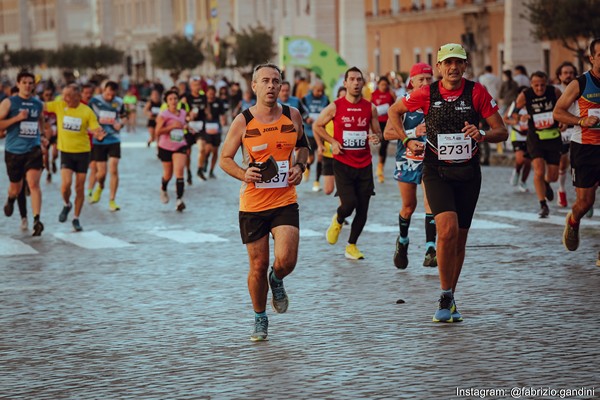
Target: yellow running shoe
x,y
333,232
96,195
353,253
380,176
112,206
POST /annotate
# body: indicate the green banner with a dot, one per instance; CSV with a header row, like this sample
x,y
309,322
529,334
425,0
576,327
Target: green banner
x,y
312,54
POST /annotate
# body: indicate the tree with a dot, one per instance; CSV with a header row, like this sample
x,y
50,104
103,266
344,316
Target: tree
x,y
97,57
251,47
26,58
571,22
176,54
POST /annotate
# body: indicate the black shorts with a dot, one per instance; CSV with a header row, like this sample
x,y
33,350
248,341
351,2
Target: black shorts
x,y
102,152
549,150
312,143
521,146
327,166
383,146
565,148
351,181
17,165
212,139
255,225
52,139
76,162
151,123
167,155
453,188
585,165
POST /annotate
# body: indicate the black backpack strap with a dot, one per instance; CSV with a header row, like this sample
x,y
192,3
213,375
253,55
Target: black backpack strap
x,y
248,115
286,111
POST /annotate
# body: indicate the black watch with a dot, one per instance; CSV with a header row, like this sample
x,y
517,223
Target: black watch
x,y
302,166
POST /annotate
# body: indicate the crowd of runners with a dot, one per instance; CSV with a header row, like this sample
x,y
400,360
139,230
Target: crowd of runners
x,y
292,132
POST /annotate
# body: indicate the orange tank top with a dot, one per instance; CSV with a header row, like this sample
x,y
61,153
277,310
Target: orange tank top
x,y
260,141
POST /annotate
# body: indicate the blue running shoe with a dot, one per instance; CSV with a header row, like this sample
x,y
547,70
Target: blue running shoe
x,y
261,328
280,299
65,213
456,316
444,312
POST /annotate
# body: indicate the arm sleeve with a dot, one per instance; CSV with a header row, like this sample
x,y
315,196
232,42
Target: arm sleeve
x,y
418,99
51,106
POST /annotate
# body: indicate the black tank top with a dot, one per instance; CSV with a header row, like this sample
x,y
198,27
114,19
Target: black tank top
x,y
539,105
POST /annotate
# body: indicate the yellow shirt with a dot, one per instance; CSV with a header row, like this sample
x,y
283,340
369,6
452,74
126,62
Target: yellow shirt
x,y
72,126
327,146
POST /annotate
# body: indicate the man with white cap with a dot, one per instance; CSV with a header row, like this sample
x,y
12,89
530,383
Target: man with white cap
x,y
453,107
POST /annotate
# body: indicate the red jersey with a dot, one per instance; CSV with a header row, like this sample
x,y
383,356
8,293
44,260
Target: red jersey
x,y
382,101
482,101
351,126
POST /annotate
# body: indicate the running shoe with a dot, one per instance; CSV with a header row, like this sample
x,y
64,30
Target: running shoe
x,y
280,299
401,254
164,196
523,187
179,205
514,178
112,206
456,316
201,174
570,235
62,217
430,258
189,177
49,178
9,207
76,225
444,311
53,166
562,199
549,192
316,186
24,224
380,176
212,175
261,328
96,195
353,253
333,232
590,213
306,175
38,227
544,212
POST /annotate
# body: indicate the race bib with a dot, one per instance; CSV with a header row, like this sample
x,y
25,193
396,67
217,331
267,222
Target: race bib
x,y
177,135
195,110
566,136
543,120
72,124
454,147
28,129
594,112
107,117
212,128
409,155
354,140
280,180
313,116
382,109
155,110
196,126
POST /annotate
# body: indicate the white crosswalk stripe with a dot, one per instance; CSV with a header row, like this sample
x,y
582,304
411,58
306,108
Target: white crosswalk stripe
x,y
187,236
92,240
530,216
14,247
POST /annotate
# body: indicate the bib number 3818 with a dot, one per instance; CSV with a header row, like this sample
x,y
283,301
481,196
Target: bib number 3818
x,y
454,147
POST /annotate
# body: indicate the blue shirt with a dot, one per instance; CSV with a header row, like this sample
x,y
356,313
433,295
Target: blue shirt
x,y
24,136
108,114
314,106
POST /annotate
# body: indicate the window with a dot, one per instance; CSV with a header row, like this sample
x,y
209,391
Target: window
x,y
377,62
547,61
396,60
429,58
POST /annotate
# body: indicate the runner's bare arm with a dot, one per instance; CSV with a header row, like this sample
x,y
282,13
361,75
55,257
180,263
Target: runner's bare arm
x,y
233,141
376,136
4,110
561,110
497,132
325,116
395,113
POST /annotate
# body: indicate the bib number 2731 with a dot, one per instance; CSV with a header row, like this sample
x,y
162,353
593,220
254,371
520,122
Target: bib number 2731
x,y
454,147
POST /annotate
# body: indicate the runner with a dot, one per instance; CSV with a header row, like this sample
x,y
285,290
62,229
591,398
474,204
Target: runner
x,y
585,143
453,107
315,102
409,172
110,111
292,101
172,147
196,107
21,117
268,133
383,98
50,132
543,139
215,119
73,121
352,167
565,74
151,110
130,101
519,127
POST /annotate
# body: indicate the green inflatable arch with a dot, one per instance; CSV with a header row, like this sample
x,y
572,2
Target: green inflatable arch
x,y
322,59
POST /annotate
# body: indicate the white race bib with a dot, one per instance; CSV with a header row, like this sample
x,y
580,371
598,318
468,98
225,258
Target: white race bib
x,y
155,110
28,129
313,116
382,109
594,112
72,124
107,117
543,120
212,128
177,135
354,140
196,126
454,146
280,180
195,110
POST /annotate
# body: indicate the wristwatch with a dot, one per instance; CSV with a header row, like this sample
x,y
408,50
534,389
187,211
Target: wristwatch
x,y
302,166
482,133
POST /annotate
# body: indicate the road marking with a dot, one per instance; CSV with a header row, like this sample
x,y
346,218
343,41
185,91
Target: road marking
x,y
311,233
531,216
476,224
13,247
92,240
187,236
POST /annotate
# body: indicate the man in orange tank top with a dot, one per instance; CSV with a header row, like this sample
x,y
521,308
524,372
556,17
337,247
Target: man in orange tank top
x,y
268,133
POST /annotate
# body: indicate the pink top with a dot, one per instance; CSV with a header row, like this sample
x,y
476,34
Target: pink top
x,y
174,140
